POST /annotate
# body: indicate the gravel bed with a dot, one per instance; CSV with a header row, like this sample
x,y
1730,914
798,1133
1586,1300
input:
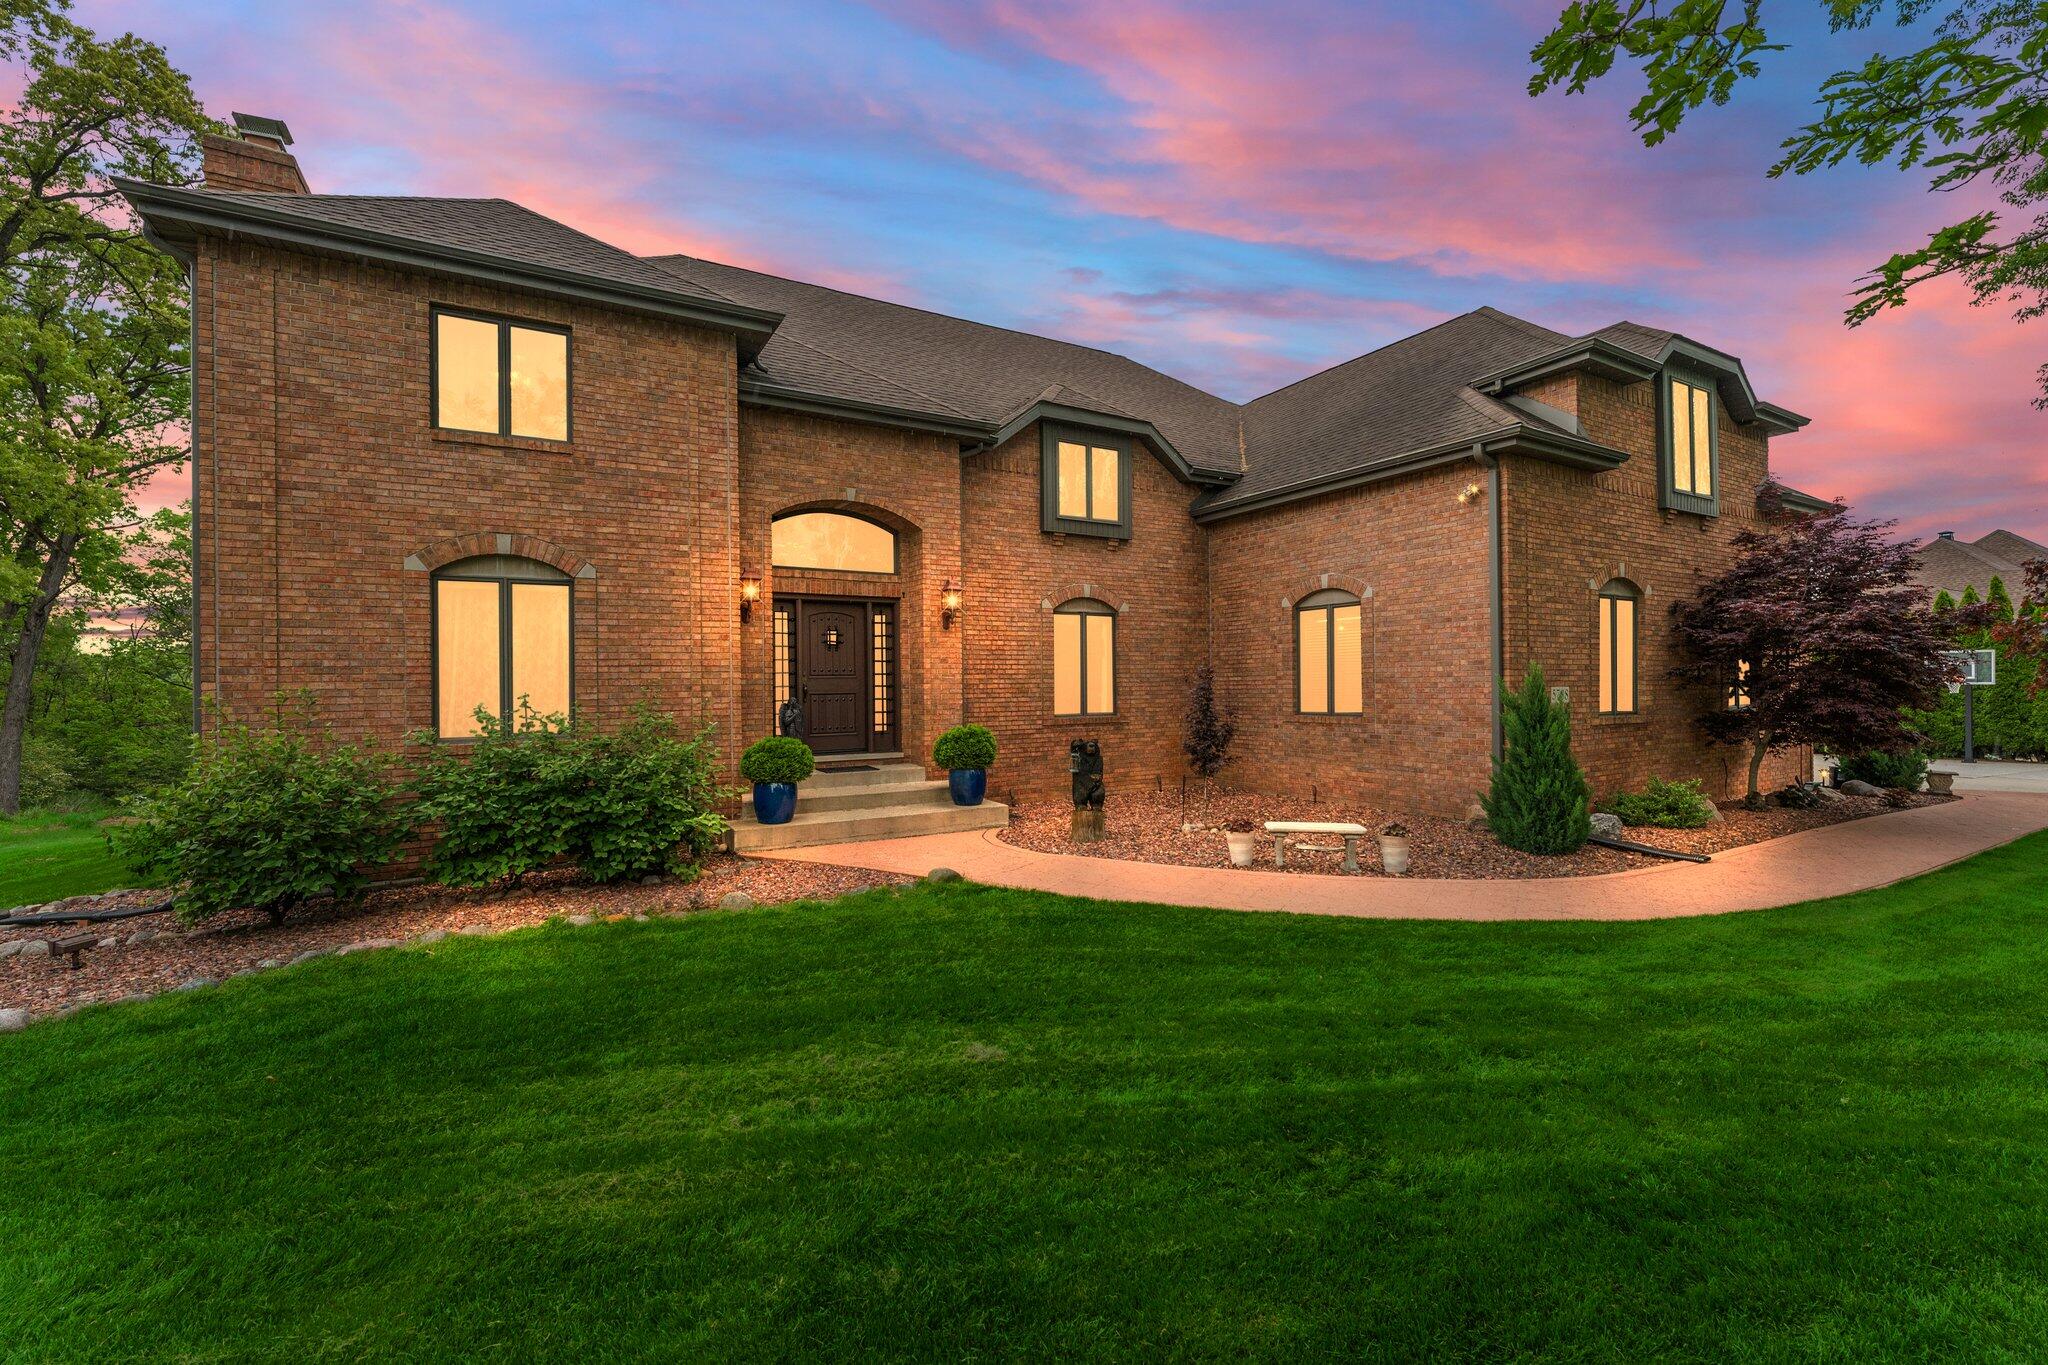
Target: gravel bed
x,y
1146,827
154,954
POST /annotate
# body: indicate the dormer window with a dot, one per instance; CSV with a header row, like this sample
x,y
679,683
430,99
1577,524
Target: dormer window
x,y
1087,483
1690,456
500,377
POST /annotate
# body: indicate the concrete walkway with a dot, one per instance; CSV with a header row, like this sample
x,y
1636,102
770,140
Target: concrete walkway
x,y
1994,775
1832,861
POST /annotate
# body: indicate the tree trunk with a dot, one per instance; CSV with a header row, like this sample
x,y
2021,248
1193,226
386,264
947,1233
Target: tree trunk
x,y
1756,764
35,623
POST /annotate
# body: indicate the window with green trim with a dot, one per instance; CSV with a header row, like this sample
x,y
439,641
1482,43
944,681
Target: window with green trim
x,y
1690,446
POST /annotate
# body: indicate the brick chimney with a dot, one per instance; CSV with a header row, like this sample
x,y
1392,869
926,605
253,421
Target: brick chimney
x,y
253,159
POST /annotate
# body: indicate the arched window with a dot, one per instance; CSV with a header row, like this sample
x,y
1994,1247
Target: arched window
x,y
501,634
1329,654
1083,658
1618,602
832,540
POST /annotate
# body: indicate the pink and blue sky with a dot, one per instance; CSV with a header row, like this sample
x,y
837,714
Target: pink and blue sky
x,y
1236,193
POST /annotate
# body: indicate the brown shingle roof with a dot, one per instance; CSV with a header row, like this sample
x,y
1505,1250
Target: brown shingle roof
x,y
1948,565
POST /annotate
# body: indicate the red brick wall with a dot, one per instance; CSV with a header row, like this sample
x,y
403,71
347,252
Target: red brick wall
x,y
319,475
1568,532
232,163
908,480
1416,557
1013,576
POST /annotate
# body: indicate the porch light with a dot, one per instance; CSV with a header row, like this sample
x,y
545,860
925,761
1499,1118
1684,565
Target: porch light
x,y
750,593
949,604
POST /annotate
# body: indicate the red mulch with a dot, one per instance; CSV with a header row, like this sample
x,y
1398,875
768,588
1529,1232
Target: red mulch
x,y
240,942
1147,828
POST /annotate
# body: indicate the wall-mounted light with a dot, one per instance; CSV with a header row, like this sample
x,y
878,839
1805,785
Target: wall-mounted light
x,y
949,604
750,593
1469,493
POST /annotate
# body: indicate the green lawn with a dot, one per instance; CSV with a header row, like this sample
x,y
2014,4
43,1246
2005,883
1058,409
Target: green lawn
x,y
963,1122
45,856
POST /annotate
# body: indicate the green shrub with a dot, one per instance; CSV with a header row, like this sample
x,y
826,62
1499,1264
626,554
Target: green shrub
x,y
627,804
966,746
1537,802
268,819
648,804
1880,769
49,772
779,758
1667,805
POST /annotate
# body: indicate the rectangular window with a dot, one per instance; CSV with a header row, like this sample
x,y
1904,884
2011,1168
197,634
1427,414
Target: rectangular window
x,y
1617,655
1690,447
498,644
501,378
1087,478
1083,662
882,632
785,660
1738,690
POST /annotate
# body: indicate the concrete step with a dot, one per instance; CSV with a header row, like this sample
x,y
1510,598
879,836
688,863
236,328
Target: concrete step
x,y
876,775
877,822
863,796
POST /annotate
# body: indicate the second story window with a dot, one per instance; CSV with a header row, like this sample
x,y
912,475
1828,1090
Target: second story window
x,y
1690,448
1087,483
500,377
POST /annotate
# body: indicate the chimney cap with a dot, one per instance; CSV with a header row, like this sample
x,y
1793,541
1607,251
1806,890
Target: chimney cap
x,y
1948,535
255,125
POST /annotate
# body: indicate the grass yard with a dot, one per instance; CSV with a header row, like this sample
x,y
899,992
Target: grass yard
x,y
963,1122
45,856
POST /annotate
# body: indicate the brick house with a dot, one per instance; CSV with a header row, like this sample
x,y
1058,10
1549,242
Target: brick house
x,y
449,452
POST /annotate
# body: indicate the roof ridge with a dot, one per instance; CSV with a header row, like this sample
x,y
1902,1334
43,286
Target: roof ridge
x,y
1535,328
608,246
942,404
1386,346
935,313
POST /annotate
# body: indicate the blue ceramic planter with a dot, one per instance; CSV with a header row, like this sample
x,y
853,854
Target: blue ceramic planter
x,y
969,785
774,802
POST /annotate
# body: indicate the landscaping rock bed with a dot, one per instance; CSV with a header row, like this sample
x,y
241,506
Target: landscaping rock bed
x,y
1147,828
152,954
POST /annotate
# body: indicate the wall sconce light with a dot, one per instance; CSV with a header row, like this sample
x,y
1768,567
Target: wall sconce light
x,y
949,604
750,593
1469,493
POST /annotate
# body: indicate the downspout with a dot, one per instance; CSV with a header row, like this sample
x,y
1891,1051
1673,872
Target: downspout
x,y
1491,464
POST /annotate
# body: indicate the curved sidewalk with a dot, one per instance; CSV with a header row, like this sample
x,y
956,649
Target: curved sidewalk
x,y
1831,861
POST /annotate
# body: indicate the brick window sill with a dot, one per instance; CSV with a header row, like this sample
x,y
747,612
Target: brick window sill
x,y
1327,717
495,442
1634,718
1091,720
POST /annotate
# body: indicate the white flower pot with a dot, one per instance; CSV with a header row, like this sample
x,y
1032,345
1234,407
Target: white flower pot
x,y
1394,856
1243,847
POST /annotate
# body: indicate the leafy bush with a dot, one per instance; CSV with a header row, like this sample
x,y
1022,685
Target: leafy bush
x,y
779,758
965,747
1208,728
268,819
1907,769
628,804
1538,799
1667,805
49,772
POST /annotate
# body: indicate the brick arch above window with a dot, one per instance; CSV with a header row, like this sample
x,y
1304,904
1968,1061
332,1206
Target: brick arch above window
x,y
1068,592
858,506
444,552
1326,582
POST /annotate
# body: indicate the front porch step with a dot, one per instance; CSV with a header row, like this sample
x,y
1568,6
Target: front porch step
x,y
916,791
872,775
813,826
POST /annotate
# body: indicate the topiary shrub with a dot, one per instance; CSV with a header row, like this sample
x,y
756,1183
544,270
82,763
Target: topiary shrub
x,y
1666,805
1537,802
965,747
779,758
1906,769
267,819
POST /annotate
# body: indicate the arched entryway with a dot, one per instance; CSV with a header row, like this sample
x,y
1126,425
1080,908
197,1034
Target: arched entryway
x,y
837,583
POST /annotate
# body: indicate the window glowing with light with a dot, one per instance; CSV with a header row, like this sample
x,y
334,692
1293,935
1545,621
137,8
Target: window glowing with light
x,y
1083,659
832,540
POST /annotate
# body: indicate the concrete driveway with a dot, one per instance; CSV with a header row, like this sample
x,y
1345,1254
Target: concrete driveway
x,y
1990,775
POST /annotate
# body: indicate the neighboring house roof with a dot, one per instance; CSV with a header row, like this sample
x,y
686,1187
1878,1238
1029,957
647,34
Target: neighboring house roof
x,y
1437,395
1950,565
489,239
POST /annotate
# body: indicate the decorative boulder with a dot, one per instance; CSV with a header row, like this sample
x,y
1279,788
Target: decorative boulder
x,y
13,1021
942,874
735,900
1606,824
1857,787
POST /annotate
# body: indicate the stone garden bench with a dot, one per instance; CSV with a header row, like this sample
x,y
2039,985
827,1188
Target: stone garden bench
x,y
1281,829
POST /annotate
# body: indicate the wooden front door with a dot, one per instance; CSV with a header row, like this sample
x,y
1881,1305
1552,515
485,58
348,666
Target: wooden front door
x,y
832,675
